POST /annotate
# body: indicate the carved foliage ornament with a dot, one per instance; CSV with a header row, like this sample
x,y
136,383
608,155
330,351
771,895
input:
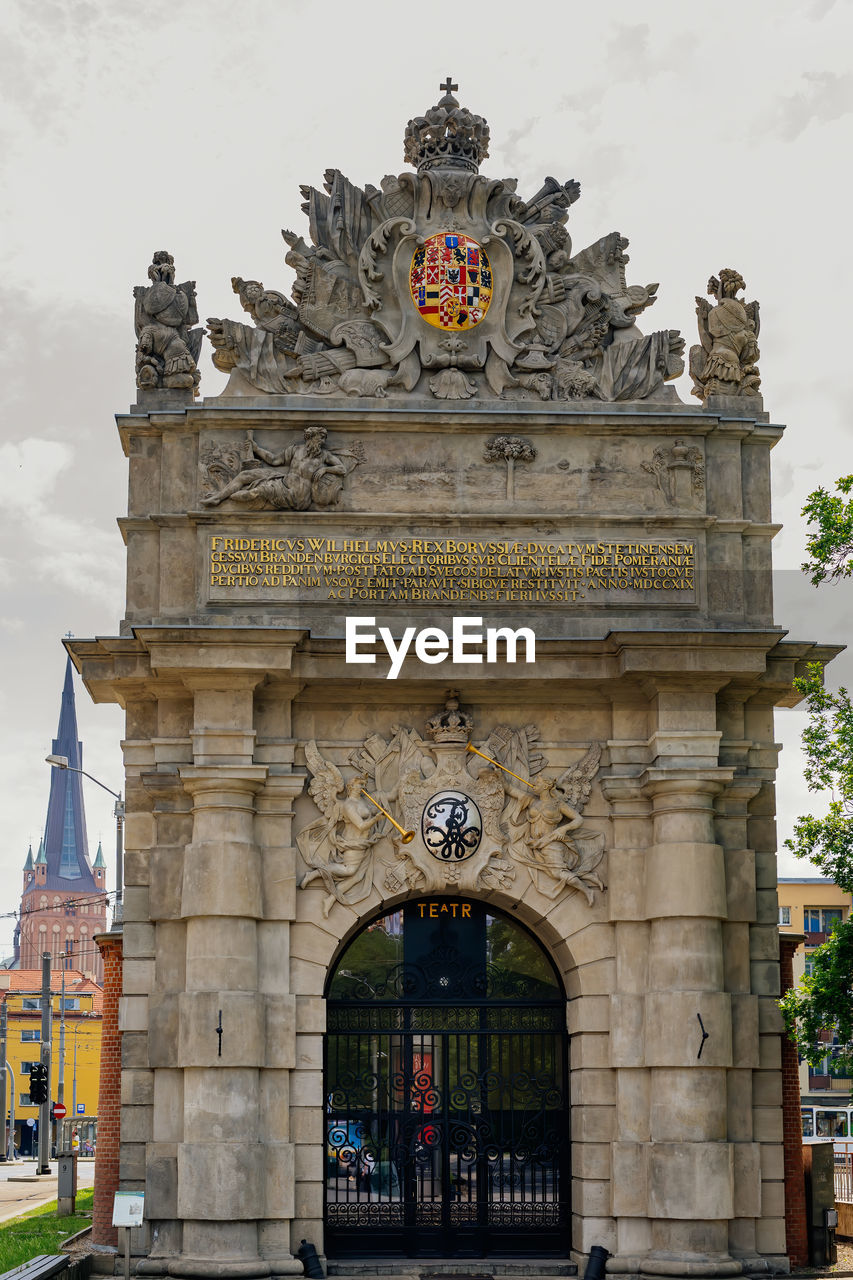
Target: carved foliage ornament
x,y
446,283
477,827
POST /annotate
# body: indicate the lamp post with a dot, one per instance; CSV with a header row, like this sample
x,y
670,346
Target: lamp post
x,y
10,1155
61,762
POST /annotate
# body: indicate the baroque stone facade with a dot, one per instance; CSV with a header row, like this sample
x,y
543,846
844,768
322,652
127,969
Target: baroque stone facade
x,y
509,452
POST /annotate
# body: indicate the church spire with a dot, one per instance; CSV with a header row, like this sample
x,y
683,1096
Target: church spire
x,y
65,849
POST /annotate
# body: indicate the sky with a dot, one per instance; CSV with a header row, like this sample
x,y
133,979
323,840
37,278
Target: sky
x,y
710,136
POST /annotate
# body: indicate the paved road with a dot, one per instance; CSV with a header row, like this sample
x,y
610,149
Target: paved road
x,y
18,1197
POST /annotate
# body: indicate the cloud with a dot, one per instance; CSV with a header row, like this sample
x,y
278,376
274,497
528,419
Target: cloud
x,y
825,96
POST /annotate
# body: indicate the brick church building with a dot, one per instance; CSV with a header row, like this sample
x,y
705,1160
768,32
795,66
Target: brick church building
x,y
64,900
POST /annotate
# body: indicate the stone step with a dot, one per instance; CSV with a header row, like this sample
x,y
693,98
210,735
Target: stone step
x,y
470,1268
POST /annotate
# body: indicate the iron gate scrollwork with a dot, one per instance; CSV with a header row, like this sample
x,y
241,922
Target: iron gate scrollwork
x,y
447,1116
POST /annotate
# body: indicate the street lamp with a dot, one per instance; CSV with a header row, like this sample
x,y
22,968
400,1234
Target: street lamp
x,y
61,762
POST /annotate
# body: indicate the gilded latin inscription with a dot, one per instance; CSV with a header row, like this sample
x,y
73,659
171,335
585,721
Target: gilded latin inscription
x,y
451,570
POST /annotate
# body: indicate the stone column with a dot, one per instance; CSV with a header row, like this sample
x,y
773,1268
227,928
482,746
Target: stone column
x,y
688,1024
229,1166
626,875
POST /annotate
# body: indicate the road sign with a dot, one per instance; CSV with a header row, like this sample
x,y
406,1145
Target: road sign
x,y
59,1110
81,1108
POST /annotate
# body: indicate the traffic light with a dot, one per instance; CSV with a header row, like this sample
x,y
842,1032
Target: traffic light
x,y
38,1083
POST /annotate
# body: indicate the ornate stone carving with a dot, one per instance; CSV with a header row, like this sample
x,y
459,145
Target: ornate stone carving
x,y
726,362
166,350
475,825
559,854
680,473
452,724
447,284
448,136
509,449
338,847
302,477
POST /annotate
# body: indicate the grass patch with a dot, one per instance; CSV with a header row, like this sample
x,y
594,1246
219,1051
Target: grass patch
x,y
41,1231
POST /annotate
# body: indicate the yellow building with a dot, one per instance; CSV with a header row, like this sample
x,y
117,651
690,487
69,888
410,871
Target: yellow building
x,y
83,1007
813,906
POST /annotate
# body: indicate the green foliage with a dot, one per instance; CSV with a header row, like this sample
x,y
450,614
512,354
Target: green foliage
x,y
824,1000
830,545
828,745
42,1231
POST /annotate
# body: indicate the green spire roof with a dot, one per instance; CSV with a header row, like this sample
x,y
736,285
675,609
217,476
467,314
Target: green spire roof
x,y
41,857
28,865
100,860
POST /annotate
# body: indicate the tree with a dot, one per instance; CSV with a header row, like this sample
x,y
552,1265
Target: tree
x,y
823,1002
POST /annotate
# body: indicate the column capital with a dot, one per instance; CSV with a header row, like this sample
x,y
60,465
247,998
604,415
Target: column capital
x,y
246,778
625,795
687,782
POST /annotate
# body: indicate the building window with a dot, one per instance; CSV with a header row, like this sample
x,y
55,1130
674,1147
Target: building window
x,y
25,1068
809,964
24,1101
31,1035
31,1002
71,1002
784,915
822,919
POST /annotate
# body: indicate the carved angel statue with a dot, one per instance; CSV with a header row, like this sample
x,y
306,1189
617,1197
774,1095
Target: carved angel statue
x,y
338,847
725,363
559,855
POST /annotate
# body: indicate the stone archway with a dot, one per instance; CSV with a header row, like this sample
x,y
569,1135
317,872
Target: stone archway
x,y
446,1088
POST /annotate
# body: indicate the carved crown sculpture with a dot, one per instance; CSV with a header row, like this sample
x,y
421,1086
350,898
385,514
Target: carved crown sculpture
x,y
452,724
447,137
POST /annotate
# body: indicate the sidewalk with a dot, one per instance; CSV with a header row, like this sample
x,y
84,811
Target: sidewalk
x,y
19,1197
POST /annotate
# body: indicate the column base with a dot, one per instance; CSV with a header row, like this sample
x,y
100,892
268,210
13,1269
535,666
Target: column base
x,y
219,1268
671,1267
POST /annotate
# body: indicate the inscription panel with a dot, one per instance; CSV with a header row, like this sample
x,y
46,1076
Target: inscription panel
x,y
444,570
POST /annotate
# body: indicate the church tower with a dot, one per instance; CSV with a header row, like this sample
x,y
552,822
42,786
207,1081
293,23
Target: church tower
x,y
64,901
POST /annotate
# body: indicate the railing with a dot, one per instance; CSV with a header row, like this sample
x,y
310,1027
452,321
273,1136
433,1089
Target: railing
x,y
843,1149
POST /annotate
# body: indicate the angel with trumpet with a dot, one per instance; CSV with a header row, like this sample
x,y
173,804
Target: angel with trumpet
x,y
559,854
338,847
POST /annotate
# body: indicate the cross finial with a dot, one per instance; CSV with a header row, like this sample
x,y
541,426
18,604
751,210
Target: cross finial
x,y
69,635
449,86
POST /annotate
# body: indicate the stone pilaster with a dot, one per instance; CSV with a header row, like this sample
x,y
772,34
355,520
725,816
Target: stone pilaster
x,y
234,1026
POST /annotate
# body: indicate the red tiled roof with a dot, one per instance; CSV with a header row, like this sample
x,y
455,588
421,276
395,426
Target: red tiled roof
x,y
13,981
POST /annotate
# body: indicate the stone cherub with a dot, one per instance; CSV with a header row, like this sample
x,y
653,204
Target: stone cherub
x,y
725,363
338,847
303,475
166,350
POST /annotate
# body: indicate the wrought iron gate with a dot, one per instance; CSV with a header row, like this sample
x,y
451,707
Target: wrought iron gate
x,y
446,1094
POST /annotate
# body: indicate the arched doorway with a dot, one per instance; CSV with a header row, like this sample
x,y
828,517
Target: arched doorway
x,y
446,1088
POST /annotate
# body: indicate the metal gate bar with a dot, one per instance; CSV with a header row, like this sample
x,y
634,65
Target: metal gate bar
x,y
447,1129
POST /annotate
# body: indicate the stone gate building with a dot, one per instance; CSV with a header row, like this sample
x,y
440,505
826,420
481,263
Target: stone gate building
x,y
449,665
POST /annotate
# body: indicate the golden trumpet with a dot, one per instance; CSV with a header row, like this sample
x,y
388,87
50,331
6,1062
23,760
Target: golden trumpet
x,y
408,836
500,766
